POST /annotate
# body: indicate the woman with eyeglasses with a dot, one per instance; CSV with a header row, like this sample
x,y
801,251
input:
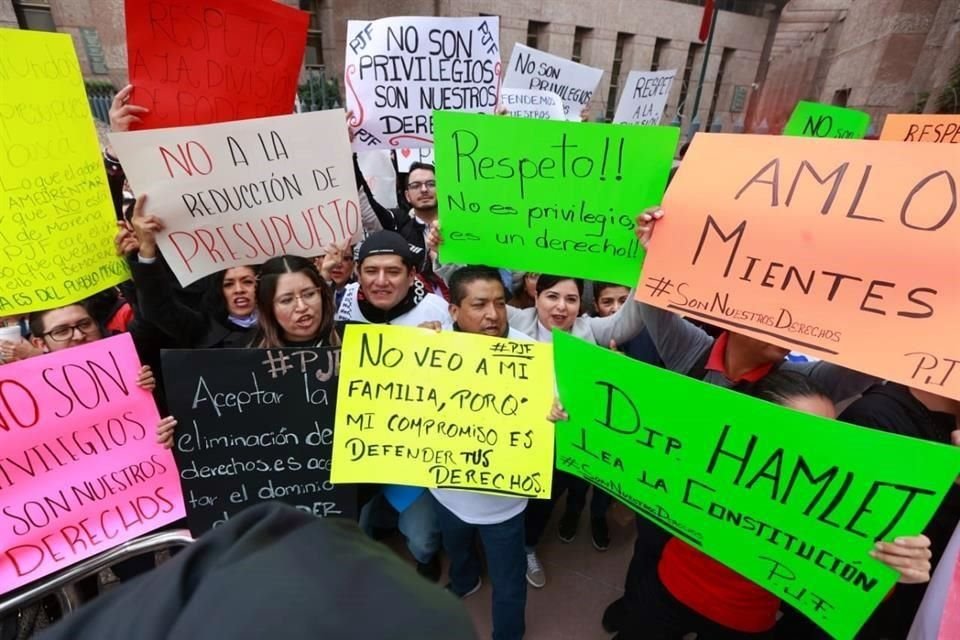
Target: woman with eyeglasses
x,y
295,305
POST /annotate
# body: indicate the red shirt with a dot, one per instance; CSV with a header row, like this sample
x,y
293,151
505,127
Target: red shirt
x,y
120,320
716,359
703,584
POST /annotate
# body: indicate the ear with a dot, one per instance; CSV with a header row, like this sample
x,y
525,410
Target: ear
x,y
454,311
39,343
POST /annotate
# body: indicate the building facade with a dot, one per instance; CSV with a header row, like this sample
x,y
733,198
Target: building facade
x,y
614,35
879,56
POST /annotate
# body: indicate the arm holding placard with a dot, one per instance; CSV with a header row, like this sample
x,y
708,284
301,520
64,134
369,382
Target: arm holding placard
x,y
386,218
157,300
628,321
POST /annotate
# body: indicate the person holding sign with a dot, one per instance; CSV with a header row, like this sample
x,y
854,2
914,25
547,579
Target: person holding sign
x,y
691,592
295,305
337,268
62,328
558,306
915,413
478,305
413,224
228,316
732,361
388,292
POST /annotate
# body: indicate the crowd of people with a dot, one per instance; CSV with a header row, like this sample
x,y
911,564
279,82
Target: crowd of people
x,y
393,276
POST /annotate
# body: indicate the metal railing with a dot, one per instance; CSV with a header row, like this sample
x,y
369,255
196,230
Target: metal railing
x,y
55,585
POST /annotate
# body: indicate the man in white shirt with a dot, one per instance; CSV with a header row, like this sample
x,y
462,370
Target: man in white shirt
x,y
388,292
478,305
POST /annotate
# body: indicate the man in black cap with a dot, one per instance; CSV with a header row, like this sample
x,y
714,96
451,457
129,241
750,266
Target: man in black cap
x,y
388,292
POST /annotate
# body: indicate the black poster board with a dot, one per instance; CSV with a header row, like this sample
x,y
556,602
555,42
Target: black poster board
x,y
255,425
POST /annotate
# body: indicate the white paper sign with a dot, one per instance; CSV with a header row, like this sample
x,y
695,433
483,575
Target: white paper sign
x,y
644,97
532,69
527,103
238,193
406,157
398,70
381,177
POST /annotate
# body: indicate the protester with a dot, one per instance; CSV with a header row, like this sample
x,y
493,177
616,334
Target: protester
x,y
915,413
478,305
295,305
336,267
691,592
525,292
222,311
733,361
274,572
413,224
557,306
62,328
388,292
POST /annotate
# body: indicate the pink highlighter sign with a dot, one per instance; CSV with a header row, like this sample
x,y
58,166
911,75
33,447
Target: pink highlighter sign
x,y
80,469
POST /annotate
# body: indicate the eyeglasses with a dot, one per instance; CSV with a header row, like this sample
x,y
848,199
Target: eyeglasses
x,y
64,333
429,185
307,296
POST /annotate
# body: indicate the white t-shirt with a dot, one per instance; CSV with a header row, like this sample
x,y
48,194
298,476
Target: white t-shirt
x,y
476,507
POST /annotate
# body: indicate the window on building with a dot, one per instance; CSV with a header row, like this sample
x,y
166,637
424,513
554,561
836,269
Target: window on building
x,y
840,97
692,54
724,59
658,48
535,33
579,35
34,15
313,55
623,39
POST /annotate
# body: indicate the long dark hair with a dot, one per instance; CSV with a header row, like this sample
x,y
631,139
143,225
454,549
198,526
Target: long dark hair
x,y
214,302
270,334
546,281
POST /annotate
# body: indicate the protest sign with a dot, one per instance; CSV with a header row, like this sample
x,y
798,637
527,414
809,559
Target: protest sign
x,y
239,193
815,120
842,249
644,97
792,501
57,222
254,425
81,470
444,410
931,127
406,157
201,61
573,82
565,201
377,169
399,70
527,103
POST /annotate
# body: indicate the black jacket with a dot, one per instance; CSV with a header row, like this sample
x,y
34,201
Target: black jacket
x,y
273,572
398,220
